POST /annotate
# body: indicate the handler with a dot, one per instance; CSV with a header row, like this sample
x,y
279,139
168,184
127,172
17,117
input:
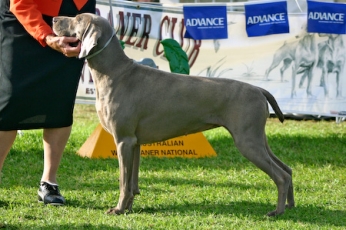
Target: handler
x,y
39,80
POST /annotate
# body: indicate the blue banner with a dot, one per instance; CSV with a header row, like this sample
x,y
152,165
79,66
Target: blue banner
x,y
205,22
266,18
326,17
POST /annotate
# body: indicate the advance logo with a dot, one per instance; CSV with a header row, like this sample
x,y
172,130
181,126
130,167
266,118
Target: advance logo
x,y
326,17
266,18
205,22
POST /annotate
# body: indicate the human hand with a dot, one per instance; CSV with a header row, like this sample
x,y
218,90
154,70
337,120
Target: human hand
x,y
69,46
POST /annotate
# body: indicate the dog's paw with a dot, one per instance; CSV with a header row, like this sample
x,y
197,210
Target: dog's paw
x,y
274,213
289,206
114,211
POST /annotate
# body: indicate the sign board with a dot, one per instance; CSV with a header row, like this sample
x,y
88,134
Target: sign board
x,y
326,17
100,144
205,22
266,18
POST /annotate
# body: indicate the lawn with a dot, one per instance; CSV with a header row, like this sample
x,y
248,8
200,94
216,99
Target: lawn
x,y
223,192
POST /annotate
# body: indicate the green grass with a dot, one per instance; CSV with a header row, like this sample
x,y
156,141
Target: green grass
x,y
223,192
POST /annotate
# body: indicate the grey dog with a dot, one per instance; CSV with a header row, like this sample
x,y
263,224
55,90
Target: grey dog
x,y
139,104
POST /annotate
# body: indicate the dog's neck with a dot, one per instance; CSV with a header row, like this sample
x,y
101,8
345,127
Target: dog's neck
x,y
111,62
100,50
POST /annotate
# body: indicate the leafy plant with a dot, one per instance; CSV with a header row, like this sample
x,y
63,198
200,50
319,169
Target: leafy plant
x,y
178,60
122,43
212,71
249,71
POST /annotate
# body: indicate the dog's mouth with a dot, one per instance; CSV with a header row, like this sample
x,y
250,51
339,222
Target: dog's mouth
x,y
74,44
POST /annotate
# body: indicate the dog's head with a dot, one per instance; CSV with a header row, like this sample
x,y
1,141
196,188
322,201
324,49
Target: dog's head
x,y
88,28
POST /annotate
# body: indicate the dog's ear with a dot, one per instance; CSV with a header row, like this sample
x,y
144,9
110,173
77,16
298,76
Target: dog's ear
x,y
89,40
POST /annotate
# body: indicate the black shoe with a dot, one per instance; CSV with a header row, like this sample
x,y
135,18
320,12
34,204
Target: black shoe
x,y
50,194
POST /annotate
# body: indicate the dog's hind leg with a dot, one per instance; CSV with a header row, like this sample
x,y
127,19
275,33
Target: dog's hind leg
x,y
276,61
125,148
287,63
251,145
290,195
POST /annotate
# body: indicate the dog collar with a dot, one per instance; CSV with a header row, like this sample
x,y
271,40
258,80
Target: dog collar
x,y
99,51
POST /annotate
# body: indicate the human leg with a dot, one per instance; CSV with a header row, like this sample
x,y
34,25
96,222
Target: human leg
x,y
6,141
54,142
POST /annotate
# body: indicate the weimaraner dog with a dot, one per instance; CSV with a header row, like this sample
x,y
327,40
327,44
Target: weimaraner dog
x,y
138,105
303,54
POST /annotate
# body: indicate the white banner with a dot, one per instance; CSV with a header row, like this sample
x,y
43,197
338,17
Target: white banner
x,y
255,60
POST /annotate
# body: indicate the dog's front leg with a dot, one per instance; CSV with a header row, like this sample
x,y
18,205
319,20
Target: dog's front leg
x,y
339,83
308,87
293,90
126,154
324,79
302,79
135,175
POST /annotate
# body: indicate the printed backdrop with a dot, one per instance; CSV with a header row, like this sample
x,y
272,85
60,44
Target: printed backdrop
x,y
255,60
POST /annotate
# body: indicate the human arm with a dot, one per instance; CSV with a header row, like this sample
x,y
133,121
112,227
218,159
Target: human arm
x,y
63,45
28,14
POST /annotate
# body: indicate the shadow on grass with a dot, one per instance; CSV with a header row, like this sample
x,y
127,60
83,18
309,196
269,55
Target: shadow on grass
x,y
316,215
4,204
61,226
293,150
316,151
